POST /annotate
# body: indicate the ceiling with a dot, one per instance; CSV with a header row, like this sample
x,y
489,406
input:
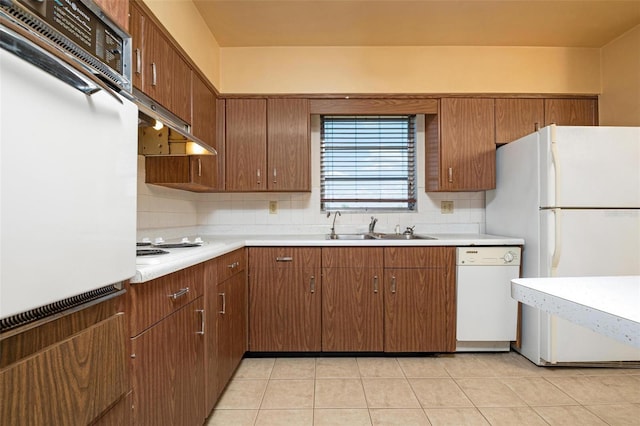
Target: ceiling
x,y
566,23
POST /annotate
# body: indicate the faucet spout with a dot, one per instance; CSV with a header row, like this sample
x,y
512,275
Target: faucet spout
x,y
333,226
372,225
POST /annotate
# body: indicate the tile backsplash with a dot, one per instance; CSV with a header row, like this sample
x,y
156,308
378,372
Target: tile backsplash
x,y
185,213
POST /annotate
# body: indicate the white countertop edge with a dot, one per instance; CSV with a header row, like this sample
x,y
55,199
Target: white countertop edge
x,y
218,245
588,301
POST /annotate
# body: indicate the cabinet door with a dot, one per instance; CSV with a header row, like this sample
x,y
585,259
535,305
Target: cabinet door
x,y
212,388
467,144
118,10
204,172
136,28
284,299
181,75
289,152
246,144
352,299
203,123
167,368
571,112
232,326
157,57
516,117
418,307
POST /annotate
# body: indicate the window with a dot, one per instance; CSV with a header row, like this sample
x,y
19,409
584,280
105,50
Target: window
x,y
368,162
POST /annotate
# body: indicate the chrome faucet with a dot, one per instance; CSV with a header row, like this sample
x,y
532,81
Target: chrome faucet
x,y
372,225
333,226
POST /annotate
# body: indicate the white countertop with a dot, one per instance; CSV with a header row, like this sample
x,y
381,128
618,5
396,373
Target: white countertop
x,y
150,267
607,305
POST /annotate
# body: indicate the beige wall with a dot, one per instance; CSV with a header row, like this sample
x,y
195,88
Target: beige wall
x,y
184,22
620,63
410,70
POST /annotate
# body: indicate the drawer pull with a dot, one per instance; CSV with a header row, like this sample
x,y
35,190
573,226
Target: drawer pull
x,y
199,168
179,293
312,284
201,311
393,285
233,265
450,174
224,303
284,259
375,284
138,61
274,176
258,176
154,75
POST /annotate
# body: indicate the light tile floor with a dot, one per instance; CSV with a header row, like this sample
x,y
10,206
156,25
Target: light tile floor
x,y
460,389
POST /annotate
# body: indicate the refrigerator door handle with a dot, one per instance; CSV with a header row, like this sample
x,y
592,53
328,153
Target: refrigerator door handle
x,y
557,243
555,158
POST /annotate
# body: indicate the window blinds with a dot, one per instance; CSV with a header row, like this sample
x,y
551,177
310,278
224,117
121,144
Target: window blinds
x,y
368,162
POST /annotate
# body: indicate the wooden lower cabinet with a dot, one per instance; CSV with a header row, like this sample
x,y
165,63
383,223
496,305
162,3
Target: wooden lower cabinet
x,y
419,292
284,299
352,299
167,365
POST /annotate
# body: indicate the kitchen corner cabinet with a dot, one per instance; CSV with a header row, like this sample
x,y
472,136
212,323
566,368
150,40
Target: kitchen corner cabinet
x,y
517,117
71,370
158,69
571,112
352,299
419,294
460,146
167,349
231,311
284,299
267,145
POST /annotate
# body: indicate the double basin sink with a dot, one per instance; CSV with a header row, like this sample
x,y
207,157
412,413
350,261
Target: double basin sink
x,y
379,236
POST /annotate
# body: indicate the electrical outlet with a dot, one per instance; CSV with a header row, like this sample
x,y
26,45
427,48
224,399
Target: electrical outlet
x,y
446,207
273,207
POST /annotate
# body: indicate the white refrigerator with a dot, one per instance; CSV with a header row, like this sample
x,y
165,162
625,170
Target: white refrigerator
x,y
573,194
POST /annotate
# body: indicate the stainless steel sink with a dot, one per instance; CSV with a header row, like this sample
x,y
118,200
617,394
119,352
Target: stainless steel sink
x,y
378,236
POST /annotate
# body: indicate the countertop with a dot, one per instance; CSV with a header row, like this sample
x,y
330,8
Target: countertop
x,y
607,305
150,267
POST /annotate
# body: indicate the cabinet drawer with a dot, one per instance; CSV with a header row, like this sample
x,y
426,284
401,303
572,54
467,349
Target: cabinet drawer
x,y
352,257
155,299
284,257
230,264
418,257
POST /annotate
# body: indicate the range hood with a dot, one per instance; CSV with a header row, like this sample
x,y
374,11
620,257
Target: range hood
x,y
172,137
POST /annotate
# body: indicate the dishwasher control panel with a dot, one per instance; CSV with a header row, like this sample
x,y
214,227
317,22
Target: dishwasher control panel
x,y
488,256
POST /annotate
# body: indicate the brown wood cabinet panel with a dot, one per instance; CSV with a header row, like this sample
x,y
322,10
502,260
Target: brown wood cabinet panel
x,y
352,299
374,106
117,10
418,257
418,307
167,366
181,77
231,263
120,414
289,152
152,301
204,122
571,112
246,144
196,173
211,337
157,60
69,383
284,299
136,28
466,150
517,117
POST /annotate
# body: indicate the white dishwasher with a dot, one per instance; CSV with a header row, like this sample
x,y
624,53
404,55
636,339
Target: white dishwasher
x,y
487,316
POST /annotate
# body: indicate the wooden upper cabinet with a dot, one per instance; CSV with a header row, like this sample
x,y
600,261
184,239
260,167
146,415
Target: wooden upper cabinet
x,y
159,70
517,117
203,123
117,10
288,145
267,145
571,112
462,150
246,144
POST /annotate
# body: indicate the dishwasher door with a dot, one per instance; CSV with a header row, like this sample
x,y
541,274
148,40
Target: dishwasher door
x,y
486,313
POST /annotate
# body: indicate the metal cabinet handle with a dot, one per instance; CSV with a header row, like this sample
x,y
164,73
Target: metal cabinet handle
x,y
258,175
233,265
536,126
138,61
199,168
393,285
375,284
274,175
284,259
224,303
201,311
179,293
450,174
154,74
312,284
